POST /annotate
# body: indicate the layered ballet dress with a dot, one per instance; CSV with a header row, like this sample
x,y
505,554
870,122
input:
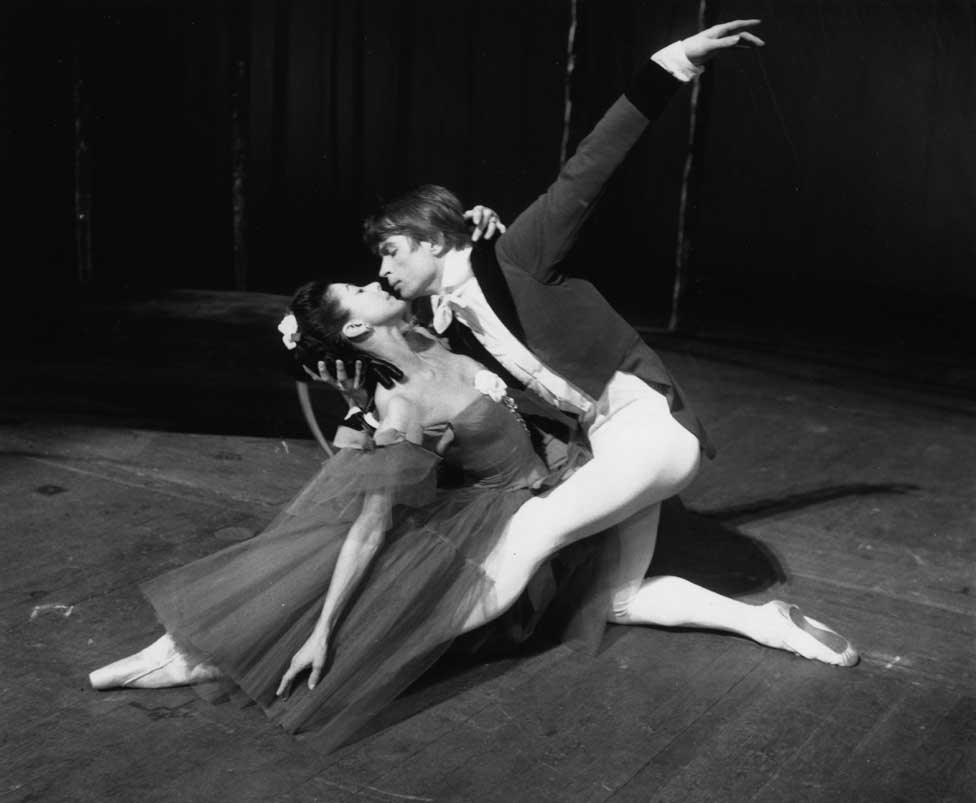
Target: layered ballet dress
x,y
250,607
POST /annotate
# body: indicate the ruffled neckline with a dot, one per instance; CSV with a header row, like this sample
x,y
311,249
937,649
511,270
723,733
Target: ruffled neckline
x,y
493,391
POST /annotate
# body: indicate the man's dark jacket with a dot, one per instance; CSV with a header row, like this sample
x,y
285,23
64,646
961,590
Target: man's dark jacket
x,y
565,321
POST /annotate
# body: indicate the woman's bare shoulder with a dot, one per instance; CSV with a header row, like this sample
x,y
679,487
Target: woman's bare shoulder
x,y
398,411
393,401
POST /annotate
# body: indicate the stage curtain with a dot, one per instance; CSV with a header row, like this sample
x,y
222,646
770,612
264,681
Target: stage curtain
x,y
353,103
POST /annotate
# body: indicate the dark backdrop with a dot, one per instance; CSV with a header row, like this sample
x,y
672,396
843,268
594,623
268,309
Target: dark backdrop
x,y
835,170
355,102
839,179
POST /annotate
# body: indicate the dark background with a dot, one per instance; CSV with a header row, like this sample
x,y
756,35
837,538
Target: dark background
x,y
835,178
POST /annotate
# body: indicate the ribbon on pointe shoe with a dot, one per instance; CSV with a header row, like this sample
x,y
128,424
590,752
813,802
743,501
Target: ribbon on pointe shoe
x,y
811,639
160,665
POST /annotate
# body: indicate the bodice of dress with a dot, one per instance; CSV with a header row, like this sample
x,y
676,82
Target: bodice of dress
x,y
492,447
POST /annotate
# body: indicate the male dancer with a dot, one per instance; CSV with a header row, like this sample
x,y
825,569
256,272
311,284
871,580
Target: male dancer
x,y
508,305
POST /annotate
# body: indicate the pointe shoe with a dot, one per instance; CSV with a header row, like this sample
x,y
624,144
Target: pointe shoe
x,y
134,671
809,638
159,666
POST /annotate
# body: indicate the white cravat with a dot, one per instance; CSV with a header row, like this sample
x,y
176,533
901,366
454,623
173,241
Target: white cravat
x,y
443,306
453,295
461,297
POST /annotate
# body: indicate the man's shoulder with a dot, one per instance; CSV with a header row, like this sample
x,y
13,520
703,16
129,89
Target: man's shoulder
x,y
487,256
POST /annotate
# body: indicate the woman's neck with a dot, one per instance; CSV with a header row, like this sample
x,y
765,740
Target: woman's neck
x,y
402,346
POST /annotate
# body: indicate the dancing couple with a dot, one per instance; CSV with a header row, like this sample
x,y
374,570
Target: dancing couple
x,y
437,522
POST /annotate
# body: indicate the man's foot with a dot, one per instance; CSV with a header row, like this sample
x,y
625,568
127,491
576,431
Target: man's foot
x,y
808,638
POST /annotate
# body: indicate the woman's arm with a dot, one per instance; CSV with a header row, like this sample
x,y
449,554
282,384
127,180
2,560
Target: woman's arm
x,y
364,539
358,550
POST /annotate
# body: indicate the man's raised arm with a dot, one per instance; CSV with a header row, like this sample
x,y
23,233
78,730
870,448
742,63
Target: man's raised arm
x,y
539,238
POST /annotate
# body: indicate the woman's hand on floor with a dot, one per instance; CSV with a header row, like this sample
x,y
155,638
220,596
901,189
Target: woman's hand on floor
x,y
312,654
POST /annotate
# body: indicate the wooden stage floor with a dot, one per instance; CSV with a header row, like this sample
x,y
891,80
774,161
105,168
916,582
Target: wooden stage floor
x,y
154,433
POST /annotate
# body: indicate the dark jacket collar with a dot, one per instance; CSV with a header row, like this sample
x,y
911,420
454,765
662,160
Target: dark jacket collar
x,y
486,269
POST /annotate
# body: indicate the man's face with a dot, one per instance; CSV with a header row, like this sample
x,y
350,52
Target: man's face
x,y
410,269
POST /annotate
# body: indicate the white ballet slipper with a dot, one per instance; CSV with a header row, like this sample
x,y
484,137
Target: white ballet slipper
x,y
159,666
807,637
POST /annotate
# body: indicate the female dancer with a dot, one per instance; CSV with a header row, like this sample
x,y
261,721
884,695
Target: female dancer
x,y
373,569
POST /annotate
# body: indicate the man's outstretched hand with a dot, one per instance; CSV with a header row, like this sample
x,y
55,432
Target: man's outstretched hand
x,y
705,45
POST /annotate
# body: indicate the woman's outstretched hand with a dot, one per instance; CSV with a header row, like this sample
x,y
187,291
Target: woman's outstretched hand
x,y
312,654
705,45
485,221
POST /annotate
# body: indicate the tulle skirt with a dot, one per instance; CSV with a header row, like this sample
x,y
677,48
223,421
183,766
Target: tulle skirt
x,y
248,608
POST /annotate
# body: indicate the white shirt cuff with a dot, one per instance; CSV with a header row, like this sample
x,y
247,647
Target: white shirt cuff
x,y
674,59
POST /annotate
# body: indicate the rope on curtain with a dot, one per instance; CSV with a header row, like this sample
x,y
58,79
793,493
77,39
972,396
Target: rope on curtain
x,y
683,245
568,80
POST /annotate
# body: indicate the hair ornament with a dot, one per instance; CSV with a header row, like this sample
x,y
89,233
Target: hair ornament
x,y
289,331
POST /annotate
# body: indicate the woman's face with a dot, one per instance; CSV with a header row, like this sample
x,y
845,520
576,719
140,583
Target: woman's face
x,y
370,304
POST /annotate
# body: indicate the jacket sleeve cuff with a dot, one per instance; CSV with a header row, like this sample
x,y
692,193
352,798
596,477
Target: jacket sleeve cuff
x,y
674,59
651,88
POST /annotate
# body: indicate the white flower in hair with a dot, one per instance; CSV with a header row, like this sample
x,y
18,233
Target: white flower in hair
x,y
289,331
491,385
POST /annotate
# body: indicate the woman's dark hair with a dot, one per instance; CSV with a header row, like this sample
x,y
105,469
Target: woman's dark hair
x,y
320,320
429,213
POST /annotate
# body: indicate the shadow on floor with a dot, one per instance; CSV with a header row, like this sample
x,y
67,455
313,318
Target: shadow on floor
x,y
703,547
